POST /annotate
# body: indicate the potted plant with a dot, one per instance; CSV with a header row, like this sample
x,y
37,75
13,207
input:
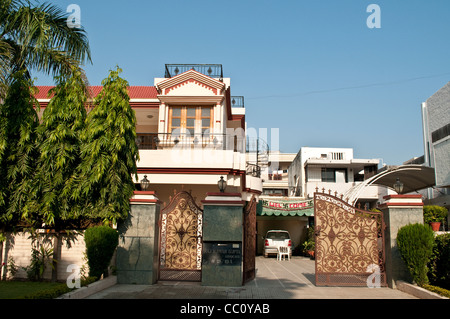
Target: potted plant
x,y
434,215
308,248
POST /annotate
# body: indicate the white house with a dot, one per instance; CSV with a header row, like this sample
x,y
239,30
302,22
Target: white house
x,y
335,170
189,133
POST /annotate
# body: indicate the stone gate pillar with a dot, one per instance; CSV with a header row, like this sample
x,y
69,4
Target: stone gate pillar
x,y
137,253
222,239
398,211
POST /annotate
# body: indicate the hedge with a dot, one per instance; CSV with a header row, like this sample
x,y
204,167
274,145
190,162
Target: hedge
x,y
101,242
415,243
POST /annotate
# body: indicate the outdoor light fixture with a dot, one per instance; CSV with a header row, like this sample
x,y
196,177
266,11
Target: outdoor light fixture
x,y
222,184
398,186
145,183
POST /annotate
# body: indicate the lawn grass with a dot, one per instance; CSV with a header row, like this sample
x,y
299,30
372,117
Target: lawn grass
x,y
22,289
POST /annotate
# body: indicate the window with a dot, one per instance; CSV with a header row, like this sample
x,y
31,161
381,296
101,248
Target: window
x,y
328,175
190,119
275,192
334,175
440,133
337,156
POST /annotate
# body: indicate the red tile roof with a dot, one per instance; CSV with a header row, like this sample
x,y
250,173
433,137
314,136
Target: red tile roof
x,y
135,92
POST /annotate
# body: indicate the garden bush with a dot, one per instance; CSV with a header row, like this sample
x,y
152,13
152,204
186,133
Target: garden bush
x,y
101,242
433,213
439,264
415,243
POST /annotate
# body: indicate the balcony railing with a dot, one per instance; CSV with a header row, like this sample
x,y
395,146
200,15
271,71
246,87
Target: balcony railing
x,y
237,101
154,141
253,170
278,177
212,70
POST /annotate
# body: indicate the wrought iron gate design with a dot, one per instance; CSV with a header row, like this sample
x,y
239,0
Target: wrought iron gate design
x,y
249,248
181,239
349,243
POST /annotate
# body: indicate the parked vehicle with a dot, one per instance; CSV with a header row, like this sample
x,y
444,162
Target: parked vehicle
x,y
275,239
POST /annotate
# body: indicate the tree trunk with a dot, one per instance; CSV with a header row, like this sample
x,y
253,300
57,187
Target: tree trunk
x,y
1,260
56,255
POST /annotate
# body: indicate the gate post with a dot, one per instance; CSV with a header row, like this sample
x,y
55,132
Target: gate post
x,y
398,211
137,253
222,239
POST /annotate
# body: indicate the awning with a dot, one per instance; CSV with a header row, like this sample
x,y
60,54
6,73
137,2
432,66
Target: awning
x,y
285,207
413,177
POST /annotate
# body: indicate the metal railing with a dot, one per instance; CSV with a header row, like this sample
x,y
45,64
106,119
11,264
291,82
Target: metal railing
x,y
253,169
212,70
237,101
154,141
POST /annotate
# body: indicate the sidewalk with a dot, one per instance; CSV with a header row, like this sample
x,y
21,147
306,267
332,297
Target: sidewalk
x,y
275,279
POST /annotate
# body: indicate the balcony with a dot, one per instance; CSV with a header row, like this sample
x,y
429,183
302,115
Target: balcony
x,y
156,141
237,101
211,70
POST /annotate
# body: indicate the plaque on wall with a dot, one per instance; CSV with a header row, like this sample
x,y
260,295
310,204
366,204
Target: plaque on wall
x,y
222,253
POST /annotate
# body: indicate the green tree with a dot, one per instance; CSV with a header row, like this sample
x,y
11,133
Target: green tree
x,y
37,37
109,154
59,144
18,122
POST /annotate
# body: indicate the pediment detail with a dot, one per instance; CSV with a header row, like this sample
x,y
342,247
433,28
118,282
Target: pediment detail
x,y
191,83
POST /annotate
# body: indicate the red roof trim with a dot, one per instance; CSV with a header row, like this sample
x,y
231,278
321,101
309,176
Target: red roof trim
x,y
135,92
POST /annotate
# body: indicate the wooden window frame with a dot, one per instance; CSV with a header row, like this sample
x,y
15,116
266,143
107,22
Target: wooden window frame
x,y
198,119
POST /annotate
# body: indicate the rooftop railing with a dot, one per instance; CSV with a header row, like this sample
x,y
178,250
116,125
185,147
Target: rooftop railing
x,y
212,70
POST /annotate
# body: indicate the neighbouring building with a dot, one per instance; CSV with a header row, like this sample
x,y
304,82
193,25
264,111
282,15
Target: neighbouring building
x,y
276,208
436,140
335,170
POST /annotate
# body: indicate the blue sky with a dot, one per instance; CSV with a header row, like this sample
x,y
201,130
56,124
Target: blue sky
x,y
313,68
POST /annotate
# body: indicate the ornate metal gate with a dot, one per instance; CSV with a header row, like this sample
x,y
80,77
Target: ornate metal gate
x,y
181,240
349,244
249,248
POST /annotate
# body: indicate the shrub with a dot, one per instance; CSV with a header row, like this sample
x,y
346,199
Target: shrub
x,y
415,243
434,213
438,290
439,264
40,258
101,241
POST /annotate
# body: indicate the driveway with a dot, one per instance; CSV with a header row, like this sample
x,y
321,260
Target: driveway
x,y
293,279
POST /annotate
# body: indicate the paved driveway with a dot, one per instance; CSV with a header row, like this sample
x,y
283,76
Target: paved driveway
x,y
294,279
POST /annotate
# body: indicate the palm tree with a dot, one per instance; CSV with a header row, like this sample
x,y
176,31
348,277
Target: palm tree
x,y
38,37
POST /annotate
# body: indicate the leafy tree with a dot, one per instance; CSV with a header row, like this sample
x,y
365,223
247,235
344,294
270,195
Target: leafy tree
x,y
37,37
18,122
104,180
59,143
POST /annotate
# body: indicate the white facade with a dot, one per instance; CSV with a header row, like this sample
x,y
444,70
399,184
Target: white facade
x,y
436,136
332,169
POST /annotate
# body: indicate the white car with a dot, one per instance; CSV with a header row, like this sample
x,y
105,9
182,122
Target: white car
x,y
275,239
